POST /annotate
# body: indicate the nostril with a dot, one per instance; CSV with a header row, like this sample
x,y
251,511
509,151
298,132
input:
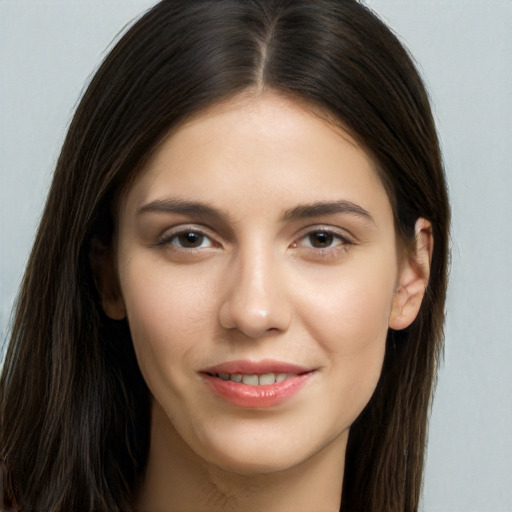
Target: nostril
x,y
254,310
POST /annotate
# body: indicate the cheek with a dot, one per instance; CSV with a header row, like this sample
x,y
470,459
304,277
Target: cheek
x,y
349,319
168,317
348,310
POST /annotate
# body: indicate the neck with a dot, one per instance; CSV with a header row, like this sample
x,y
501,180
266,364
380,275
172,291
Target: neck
x,y
177,479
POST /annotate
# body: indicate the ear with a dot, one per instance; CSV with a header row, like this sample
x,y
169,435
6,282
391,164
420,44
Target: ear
x,y
102,265
413,277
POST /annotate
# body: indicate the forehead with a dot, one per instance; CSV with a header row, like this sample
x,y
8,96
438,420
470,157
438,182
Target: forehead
x,y
260,151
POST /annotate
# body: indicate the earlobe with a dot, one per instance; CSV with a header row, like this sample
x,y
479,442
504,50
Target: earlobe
x,y
413,278
106,280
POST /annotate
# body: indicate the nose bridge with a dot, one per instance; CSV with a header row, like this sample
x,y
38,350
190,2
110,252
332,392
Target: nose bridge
x,y
255,302
256,279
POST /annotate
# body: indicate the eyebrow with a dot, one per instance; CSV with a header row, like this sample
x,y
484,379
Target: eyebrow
x,y
317,209
181,206
327,208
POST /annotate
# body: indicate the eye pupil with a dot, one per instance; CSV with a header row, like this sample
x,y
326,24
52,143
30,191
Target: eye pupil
x,y
191,239
321,239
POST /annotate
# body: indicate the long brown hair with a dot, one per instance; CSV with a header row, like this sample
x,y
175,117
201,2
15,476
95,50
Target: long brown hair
x,y
74,408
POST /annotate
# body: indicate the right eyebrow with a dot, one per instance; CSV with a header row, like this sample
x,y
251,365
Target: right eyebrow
x,y
182,206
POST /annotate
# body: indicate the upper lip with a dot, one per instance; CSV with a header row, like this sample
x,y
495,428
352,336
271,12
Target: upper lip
x,y
257,367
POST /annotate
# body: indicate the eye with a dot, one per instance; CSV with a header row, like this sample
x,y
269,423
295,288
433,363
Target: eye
x,y
322,239
191,240
187,239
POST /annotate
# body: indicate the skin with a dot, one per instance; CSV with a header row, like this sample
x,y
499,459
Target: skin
x,y
255,287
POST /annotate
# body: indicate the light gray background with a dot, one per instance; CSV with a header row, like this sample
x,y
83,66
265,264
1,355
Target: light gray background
x,y
49,48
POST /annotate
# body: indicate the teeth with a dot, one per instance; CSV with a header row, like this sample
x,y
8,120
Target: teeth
x,y
267,379
252,380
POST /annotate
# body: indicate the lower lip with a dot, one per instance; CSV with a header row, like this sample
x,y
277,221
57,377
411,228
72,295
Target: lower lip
x,y
244,395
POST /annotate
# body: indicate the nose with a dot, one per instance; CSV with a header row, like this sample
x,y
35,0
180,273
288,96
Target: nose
x,y
254,301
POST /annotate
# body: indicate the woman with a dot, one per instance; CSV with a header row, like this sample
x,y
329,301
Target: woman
x,y
235,297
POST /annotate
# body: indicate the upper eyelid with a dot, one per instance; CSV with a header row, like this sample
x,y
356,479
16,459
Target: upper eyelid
x,y
341,232
183,228
171,232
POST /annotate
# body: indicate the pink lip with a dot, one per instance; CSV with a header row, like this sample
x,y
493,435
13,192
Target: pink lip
x,y
244,395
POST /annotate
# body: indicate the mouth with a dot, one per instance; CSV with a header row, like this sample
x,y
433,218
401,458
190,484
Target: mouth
x,y
256,384
253,379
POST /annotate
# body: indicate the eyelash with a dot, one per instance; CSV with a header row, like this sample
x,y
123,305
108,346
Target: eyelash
x,y
342,244
330,252
167,238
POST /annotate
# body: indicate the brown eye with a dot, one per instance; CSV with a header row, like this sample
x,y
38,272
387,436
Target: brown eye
x,y
321,239
190,240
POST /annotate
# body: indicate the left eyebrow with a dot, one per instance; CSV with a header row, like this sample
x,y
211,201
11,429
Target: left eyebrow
x,y
327,208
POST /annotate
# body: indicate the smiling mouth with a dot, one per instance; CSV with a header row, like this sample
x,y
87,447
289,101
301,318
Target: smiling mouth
x,y
257,385
253,379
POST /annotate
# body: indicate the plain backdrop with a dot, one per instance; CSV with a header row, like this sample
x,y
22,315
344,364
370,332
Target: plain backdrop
x,y
48,50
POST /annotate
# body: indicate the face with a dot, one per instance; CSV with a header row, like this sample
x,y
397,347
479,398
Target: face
x,y
258,264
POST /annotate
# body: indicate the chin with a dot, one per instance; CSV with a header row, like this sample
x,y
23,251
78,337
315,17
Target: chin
x,y
248,463
264,449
